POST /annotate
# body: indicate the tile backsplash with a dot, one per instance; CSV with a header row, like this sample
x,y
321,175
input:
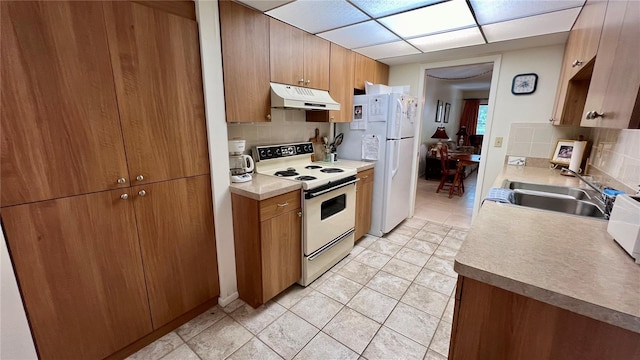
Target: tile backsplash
x,y
539,140
617,154
285,126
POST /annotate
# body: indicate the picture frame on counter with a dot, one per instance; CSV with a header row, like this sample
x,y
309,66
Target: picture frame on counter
x,y
562,153
439,111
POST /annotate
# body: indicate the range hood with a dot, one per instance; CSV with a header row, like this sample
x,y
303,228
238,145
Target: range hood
x,y
294,97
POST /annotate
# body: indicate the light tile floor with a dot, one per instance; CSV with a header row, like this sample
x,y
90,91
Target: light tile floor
x,y
391,298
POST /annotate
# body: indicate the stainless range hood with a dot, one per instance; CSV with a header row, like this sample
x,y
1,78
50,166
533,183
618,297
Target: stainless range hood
x,y
294,97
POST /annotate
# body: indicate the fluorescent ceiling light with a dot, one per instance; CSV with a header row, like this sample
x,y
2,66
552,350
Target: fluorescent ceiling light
x,y
264,5
315,16
449,40
554,22
488,12
379,8
398,48
432,19
359,35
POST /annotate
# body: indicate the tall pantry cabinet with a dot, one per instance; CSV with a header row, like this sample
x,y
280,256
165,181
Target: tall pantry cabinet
x,y
106,200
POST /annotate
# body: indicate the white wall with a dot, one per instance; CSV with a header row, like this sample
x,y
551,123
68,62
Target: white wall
x,y
440,90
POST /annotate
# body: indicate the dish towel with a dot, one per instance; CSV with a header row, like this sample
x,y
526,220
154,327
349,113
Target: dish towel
x,y
500,195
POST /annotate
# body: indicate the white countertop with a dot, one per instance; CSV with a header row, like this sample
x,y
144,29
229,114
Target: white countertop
x,y
564,260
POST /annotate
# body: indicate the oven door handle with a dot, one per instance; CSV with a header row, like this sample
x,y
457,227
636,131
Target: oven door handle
x,y
330,245
314,194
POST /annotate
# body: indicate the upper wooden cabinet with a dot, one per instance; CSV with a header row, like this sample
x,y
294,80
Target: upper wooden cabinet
x,y
298,58
245,63
612,100
59,123
365,70
382,74
577,65
157,73
80,270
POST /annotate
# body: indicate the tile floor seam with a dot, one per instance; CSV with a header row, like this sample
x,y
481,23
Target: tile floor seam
x,y
190,348
307,343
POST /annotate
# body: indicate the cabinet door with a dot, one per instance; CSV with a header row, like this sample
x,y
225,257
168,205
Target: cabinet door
x,y
382,73
286,49
281,252
616,76
78,263
341,82
156,66
365,70
175,226
317,52
60,130
585,34
245,59
364,197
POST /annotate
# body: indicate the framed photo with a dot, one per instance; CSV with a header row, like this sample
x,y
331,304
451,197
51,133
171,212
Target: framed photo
x,y
562,153
447,110
439,111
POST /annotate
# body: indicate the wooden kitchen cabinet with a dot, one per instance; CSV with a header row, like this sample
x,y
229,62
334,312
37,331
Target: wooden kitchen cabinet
x,y
577,64
60,130
493,323
340,87
615,83
163,120
297,57
381,75
268,245
364,197
245,63
175,225
80,272
365,70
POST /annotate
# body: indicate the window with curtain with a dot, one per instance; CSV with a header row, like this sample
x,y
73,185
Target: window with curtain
x,y
482,119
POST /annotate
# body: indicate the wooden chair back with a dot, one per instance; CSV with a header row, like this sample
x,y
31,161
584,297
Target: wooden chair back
x,y
444,159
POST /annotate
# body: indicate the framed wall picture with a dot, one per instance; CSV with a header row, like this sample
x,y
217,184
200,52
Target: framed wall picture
x,y
439,111
447,110
562,154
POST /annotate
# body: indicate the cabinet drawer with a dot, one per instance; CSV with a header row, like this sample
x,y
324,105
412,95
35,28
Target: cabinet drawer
x,y
279,205
365,176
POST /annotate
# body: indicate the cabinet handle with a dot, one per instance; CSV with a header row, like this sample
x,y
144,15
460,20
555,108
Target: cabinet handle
x,y
591,115
551,120
332,118
139,177
121,180
308,82
124,196
576,63
301,81
142,193
299,213
366,176
268,116
283,205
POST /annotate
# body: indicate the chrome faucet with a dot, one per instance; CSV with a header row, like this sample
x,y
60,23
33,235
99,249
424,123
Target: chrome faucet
x,y
607,200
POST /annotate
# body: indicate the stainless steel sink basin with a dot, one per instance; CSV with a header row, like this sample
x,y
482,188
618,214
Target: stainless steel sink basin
x,y
565,205
547,190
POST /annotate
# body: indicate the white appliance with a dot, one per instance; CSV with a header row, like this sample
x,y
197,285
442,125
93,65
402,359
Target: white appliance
x,y
295,97
389,118
328,204
624,224
240,166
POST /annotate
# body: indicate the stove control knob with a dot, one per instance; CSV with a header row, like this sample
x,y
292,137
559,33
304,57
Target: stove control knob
x,y
263,153
269,153
278,152
299,149
307,148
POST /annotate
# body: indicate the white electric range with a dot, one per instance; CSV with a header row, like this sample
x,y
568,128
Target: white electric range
x,y
328,203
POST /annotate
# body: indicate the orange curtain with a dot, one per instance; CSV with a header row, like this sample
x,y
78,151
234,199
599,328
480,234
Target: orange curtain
x,y
469,117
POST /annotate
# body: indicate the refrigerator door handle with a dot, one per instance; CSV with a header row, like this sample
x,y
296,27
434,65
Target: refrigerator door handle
x,y
397,159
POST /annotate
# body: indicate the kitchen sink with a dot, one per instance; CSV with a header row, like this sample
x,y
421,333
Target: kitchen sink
x,y
547,190
565,205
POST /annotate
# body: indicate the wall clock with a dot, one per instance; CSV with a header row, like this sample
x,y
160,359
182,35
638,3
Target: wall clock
x,y
524,84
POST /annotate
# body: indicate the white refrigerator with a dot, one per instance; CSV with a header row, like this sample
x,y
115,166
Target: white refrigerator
x,y
383,132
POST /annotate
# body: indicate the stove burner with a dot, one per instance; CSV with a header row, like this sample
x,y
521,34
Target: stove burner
x,y
305,178
311,167
286,173
332,170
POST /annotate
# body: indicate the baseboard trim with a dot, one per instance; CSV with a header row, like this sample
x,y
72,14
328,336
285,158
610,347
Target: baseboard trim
x,y
228,300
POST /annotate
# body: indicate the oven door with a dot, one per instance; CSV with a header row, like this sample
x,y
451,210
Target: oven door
x,y
328,214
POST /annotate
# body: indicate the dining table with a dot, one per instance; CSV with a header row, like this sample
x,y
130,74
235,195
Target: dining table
x,y
462,161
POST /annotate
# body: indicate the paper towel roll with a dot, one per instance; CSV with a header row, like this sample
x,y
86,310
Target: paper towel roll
x,y
576,155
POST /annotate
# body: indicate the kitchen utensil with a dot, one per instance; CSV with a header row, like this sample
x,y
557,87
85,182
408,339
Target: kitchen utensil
x,y
240,165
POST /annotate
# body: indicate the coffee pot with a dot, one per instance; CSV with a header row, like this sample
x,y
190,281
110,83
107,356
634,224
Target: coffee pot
x,y
240,165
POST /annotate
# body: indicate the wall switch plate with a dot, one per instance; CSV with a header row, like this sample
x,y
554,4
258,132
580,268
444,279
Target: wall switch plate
x,y
516,160
498,142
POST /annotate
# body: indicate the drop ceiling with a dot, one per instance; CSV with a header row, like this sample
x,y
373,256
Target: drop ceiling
x,y
393,29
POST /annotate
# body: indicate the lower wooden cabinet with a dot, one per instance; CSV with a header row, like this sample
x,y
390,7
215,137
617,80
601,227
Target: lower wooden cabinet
x,y
268,245
493,323
100,271
364,197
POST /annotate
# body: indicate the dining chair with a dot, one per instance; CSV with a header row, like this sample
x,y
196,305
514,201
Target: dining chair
x,y
451,177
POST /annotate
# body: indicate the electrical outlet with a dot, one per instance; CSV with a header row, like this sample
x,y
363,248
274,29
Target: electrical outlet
x,y
498,142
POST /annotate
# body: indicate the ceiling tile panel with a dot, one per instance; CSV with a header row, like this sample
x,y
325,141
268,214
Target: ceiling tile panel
x,y
449,40
398,48
316,16
550,23
433,19
488,12
379,8
264,5
360,35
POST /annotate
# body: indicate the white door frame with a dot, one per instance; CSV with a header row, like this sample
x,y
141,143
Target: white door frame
x,y
496,60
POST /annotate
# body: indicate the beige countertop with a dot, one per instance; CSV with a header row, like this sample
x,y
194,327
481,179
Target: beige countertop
x,y
263,187
563,260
